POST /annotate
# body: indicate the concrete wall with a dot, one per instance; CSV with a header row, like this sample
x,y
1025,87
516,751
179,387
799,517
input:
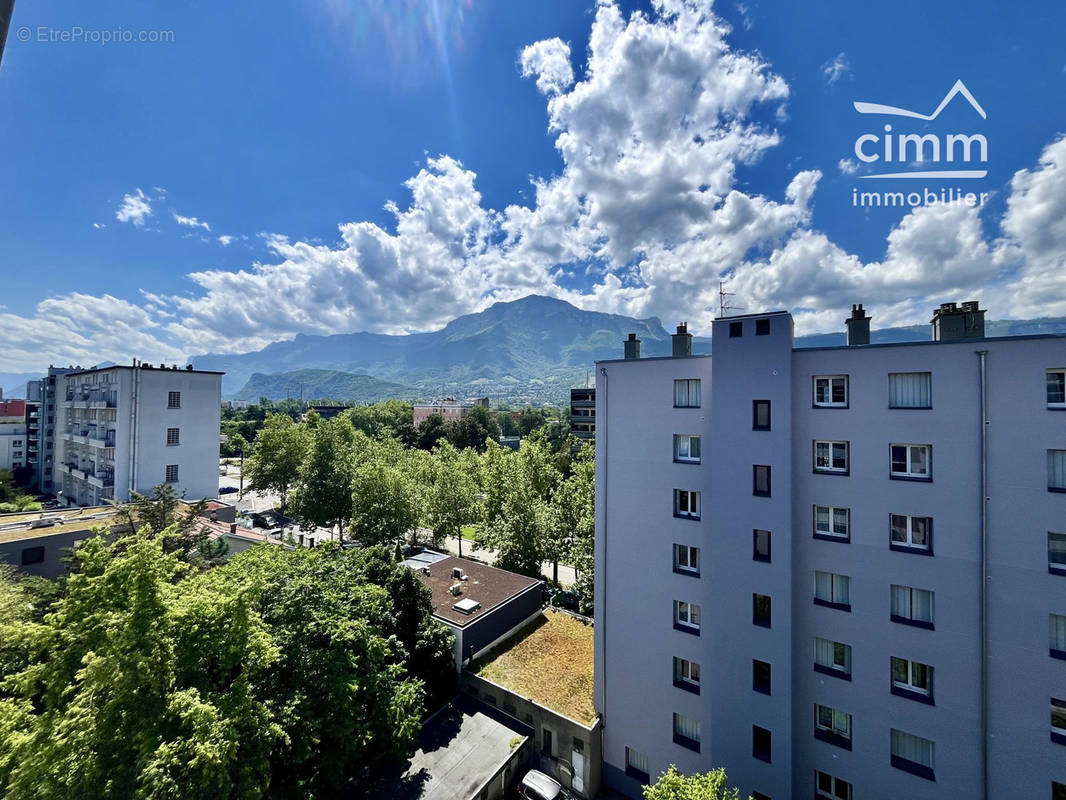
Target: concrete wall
x,y
564,731
55,547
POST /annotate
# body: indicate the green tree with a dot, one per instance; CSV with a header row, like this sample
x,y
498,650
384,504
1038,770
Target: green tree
x,y
430,431
529,420
672,785
323,495
274,463
450,499
391,418
474,428
574,521
384,509
166,515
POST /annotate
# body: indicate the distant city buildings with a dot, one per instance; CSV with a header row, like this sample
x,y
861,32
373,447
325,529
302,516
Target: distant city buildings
x,y
450,409
836,572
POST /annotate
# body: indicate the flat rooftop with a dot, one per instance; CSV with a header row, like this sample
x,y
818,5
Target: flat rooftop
x,y
488,586
549,662
35,524
460,748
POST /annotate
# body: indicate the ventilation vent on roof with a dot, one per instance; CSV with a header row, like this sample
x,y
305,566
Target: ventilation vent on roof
x,y
456,589
457,573
467,606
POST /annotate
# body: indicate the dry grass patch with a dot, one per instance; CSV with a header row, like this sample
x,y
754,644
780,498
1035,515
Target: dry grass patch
x,y
550,663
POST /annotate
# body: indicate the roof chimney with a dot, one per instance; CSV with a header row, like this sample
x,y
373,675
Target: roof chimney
x,y
682,341
632,347
951,322
233,527
858,326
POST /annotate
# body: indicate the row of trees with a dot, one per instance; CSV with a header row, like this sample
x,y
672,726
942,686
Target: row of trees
x,y
355,474
280,673
242,426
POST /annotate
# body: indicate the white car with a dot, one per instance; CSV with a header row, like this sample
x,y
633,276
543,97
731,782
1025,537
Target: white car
x,y
538,786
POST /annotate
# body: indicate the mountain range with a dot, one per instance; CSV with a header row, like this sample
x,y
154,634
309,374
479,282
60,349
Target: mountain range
x,y
527,351
314,384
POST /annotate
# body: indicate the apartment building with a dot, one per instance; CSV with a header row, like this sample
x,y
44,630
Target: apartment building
x,y
129,428
448,408
14,446
583,413
838,572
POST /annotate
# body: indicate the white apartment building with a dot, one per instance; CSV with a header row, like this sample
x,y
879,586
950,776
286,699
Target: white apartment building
x,y
837,572
14,442
129,428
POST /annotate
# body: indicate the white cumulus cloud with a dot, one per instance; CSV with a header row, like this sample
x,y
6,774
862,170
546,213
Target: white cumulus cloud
x,y
135,208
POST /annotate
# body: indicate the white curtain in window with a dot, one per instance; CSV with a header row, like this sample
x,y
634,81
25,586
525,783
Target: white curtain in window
x,y
832,654
910,390
636,760
823,585
1056,469
913,748
901,601
1058,632
922,604
841,589
687,727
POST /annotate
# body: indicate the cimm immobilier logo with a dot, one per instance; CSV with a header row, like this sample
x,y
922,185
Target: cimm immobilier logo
x,y
952,156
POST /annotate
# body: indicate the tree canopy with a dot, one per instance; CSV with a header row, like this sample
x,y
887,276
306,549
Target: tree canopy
x,y
672,785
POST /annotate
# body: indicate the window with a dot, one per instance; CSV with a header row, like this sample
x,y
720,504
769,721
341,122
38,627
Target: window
x,y
760,480
912,606
911,461
546,737
687,393
173,399
687,617
760,676
686,732
687,675
686,559
686,504
736,330
832,658
831,457
762,327
907,532
1056,470
172,473
1056,388
637,765
1058,636
1056,553
173,436
833,726
32,555
761,741
912,753
910,390
760,415
832,590
912,679
761,546
1058,720
1058,791
687,448
826,787
832,523
831,391
760,610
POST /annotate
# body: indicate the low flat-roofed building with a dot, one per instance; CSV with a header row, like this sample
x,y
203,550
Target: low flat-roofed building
x,y
481,604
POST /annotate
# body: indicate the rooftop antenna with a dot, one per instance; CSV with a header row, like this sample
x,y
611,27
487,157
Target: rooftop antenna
x,y
723,307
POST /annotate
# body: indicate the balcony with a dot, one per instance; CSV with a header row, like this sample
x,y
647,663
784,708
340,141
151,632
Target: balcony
x,y
102,479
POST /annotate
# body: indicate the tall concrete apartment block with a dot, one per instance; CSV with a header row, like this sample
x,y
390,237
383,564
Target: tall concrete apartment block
x,y
838,572
124,428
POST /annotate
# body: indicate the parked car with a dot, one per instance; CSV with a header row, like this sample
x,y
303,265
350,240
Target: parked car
x,y
228,490
538,786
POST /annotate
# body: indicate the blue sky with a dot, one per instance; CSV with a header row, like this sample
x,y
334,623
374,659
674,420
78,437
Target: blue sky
x,y
704,144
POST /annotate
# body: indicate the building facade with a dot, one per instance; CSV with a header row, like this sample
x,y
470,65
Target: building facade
x,y
583,414
836,572
448,408
14,445
129,428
